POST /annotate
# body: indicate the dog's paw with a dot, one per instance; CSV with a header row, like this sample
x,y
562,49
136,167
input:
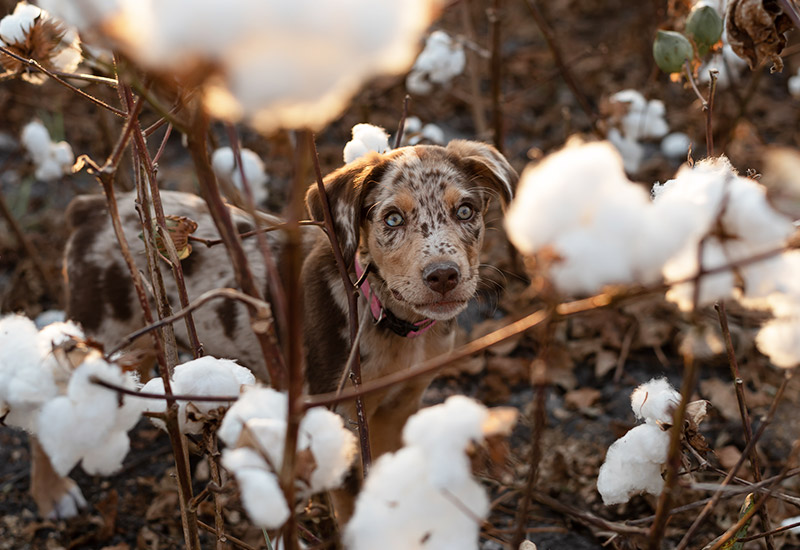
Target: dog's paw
x,y
70,504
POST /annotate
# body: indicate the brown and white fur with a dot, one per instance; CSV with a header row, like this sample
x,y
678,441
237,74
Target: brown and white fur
x,y
415,214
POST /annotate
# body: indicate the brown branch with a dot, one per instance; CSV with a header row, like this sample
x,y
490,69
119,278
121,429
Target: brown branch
x,y
228,537
735,469
161,396
352,302
38,66
745,416
398,139
496,71
262,313
264,332
279,227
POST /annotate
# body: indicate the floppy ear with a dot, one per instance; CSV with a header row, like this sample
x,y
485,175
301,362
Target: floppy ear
x,y
488,166
346,189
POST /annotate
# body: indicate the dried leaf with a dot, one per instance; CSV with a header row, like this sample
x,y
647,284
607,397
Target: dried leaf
x,y
583,398
178,228
500,421
755,30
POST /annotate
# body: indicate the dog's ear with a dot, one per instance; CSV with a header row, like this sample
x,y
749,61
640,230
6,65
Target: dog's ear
x,y
346,189
488,166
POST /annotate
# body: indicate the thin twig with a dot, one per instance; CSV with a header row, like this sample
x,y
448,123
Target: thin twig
x,y
160,396
352,302
38,66
496,71
278,227
712,88
401,127
745,416
262,313
230,538
673,457
564,70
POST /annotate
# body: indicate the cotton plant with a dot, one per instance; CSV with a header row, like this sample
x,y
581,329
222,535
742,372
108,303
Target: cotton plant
x,y
416,132
633,463
642,120
223,161
254,431
206,376
366,138
47,389
424,495
32,33
52,159
277,64
440,61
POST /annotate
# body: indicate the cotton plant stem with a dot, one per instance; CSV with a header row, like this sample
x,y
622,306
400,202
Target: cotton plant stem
x,y
277,296
587,518
169,356
352,303
264,332
539,414
496,71
401,127
476,103
246,235
743,412
731,532
212,455
262,313
735,469
30,250
673,463
712,89
229,538
563,68
38,66
292,264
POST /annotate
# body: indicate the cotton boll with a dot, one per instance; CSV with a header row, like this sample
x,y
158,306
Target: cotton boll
x,y
631,150
268,435
52,159
49,317
36,140
633,464
14,27
711,287
224,164
255,402
644,119
676,145
794,85
56,432
261,494
106,458
779,339
655,400
333,446
440,61
366,138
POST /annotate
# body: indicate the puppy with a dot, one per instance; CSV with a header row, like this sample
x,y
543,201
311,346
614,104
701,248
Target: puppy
x,y
412,219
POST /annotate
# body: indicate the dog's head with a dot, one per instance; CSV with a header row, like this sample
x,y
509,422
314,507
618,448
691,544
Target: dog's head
x,y
417,214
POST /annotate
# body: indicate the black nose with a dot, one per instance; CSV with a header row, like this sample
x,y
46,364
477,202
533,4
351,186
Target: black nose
x,y
442,277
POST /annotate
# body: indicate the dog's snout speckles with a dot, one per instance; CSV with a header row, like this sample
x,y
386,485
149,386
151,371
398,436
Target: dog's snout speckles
x,y
442,277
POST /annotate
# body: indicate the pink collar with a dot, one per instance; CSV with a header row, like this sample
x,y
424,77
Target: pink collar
x,y
382,315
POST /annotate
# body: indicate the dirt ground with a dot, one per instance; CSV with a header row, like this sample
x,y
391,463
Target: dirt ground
x,y
595,359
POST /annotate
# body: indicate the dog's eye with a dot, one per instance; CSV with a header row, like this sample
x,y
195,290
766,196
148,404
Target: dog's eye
x,y
395,219
464,212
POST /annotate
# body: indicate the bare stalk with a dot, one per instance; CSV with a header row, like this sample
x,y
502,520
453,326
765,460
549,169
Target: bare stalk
x,y
743,412
673,457
496,71
352,302
38,66
265,332
563,68
401,127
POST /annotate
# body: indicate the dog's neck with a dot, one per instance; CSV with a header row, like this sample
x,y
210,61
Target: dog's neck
x,y
384,316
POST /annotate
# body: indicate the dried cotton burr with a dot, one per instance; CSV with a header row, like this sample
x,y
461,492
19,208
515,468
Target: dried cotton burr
x,y
33,33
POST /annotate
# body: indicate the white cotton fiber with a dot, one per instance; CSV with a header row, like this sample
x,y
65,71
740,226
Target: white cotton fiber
x,y
333,446
261,494
633,464
440,61
106,458
366,138
52,160
655,400
424,495
15,27
255,402
223,161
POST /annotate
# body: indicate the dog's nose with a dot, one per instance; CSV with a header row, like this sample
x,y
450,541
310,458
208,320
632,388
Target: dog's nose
x,y
442,277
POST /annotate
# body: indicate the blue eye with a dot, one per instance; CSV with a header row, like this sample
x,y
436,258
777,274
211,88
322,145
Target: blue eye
x,y
394,219
464,212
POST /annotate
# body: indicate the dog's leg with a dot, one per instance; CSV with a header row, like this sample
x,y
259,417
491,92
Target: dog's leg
x,y
56,497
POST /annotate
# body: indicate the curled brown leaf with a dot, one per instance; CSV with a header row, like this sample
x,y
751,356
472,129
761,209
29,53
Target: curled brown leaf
x,y
756,31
